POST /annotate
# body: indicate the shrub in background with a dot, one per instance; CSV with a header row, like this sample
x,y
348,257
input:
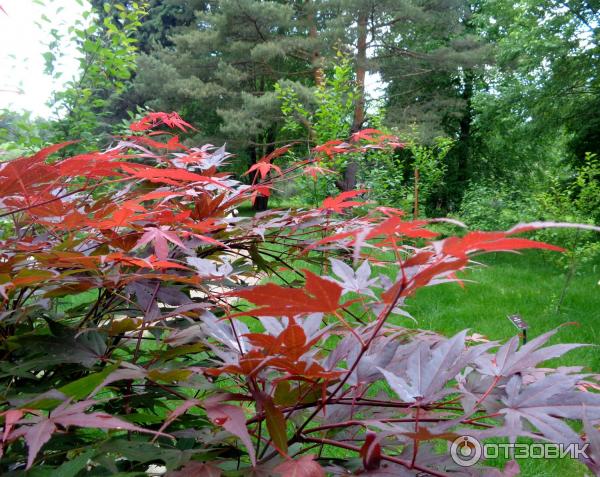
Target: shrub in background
x,y
137,329
495,205
499,205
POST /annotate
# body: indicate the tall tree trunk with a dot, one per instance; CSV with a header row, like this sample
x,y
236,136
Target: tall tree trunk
x,y
465,130
261,202
315,54
350,176
351,172
361,70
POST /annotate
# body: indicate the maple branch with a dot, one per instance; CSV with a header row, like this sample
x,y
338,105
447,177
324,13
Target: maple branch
x,y
167,389
380,322
362,402
144,322
489,390
366,424
415,440
395,460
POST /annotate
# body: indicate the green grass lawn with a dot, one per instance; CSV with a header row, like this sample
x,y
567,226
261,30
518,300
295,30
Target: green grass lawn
x,y
529,284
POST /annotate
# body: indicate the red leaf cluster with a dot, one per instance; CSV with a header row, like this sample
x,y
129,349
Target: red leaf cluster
x,y
152,120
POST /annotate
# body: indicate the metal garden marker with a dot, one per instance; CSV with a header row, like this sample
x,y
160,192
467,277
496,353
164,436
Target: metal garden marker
x,y
520,324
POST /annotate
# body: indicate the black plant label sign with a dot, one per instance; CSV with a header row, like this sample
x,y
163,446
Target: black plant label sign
x,y
518,322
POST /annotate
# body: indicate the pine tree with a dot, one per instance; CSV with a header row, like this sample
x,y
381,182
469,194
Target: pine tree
x,y
220,71
432,61
428,58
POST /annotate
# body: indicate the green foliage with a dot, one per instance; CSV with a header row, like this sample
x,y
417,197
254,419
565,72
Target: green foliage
x,y
494,205
335,97
384,177
21,134
324,116
585,189
576,201
429,167
162,18
390,178
329,116
546,81
107,60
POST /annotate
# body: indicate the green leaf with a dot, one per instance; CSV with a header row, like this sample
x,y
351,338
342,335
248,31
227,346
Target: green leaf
x,y
144,418
146,452
83,387
181,350
74,466
168,376
257,258
276,424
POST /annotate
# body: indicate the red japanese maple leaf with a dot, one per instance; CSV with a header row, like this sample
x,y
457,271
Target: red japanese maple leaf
x,y
232,419
37,429
263,168
304,466
159,237
280,151
30,176
292,341
264,165
314,170
318,295
172,120
395,225
339,203
366,134
172,144
171,176
371,452
260,190
490,242
94,164
332,148
151,262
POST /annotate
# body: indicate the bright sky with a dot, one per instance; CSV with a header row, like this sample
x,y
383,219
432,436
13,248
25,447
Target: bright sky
x,y
23,84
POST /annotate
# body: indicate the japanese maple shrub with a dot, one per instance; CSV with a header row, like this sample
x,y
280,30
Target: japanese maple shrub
x,y
138,326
